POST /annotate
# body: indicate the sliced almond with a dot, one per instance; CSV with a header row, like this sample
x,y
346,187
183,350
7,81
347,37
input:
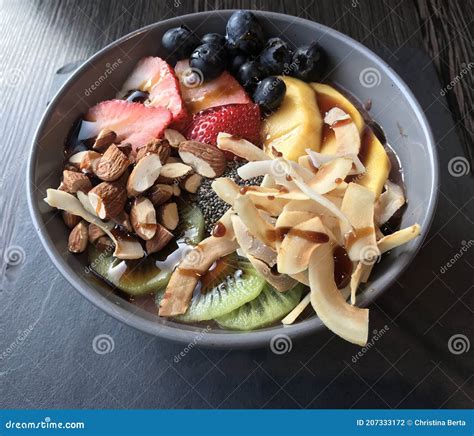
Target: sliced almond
x,y
78,239
105,138
160,147
144,174
174,137
160,193
143,218
108,199
192,183
94,232
173,172
205,159
112,164
89,161
167,215
74,181
70,220
159,241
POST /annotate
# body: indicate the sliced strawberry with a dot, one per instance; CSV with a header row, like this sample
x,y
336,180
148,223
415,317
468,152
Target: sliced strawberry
x,y
199,95
242,120
132,122
157,77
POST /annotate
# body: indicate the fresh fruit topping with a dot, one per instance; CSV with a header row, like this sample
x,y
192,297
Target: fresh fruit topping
x,y
132,122
179,42
269,306
191,223
270,93
209,60
235,62
244,32
214,38
296,125
155,77
236,119
250,74
275,56
310,61
226,289
137,96
202,95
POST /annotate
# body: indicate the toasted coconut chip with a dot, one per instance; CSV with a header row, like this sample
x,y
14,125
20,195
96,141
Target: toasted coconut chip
x,y
298,245
366,271
297,311
389,202
346,132
348,322
186,276
301,277
250,245
268,182
240,147
398,238
125,247
339,191
330,175
306,162
355,281
281,282
289,219
253,220
323,201
86,203
226,189
319,159
358,206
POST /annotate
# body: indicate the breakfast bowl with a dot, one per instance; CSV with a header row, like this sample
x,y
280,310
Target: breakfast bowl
x,y
351,68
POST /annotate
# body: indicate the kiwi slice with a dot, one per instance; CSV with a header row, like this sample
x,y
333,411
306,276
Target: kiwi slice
x,y
269,307
231,282
152,273
191,222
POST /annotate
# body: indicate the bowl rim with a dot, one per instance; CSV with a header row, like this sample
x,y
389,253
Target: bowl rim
x,y
221,339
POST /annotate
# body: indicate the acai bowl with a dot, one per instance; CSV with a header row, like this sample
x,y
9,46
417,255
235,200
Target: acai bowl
x,y
242,249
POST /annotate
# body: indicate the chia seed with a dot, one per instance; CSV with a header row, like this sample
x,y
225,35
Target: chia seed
x,y
212,207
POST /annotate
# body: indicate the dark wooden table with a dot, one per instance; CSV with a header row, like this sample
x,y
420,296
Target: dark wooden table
x,y
47,329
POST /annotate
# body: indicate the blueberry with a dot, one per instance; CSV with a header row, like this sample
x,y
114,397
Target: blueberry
x,y
236,61
269,93
276,56
250,73
310,62
244,32
180,42
213,38
209,60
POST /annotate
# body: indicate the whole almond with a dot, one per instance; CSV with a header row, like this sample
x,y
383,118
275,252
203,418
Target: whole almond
x,y
160,193
159,146
70,220
94,233
74,181
78,238
112,164
108,199
159,241
205,159
105,138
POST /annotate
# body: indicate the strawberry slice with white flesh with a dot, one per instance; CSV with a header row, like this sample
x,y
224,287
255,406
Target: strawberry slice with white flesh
x,y
132,122
157,77
199,95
